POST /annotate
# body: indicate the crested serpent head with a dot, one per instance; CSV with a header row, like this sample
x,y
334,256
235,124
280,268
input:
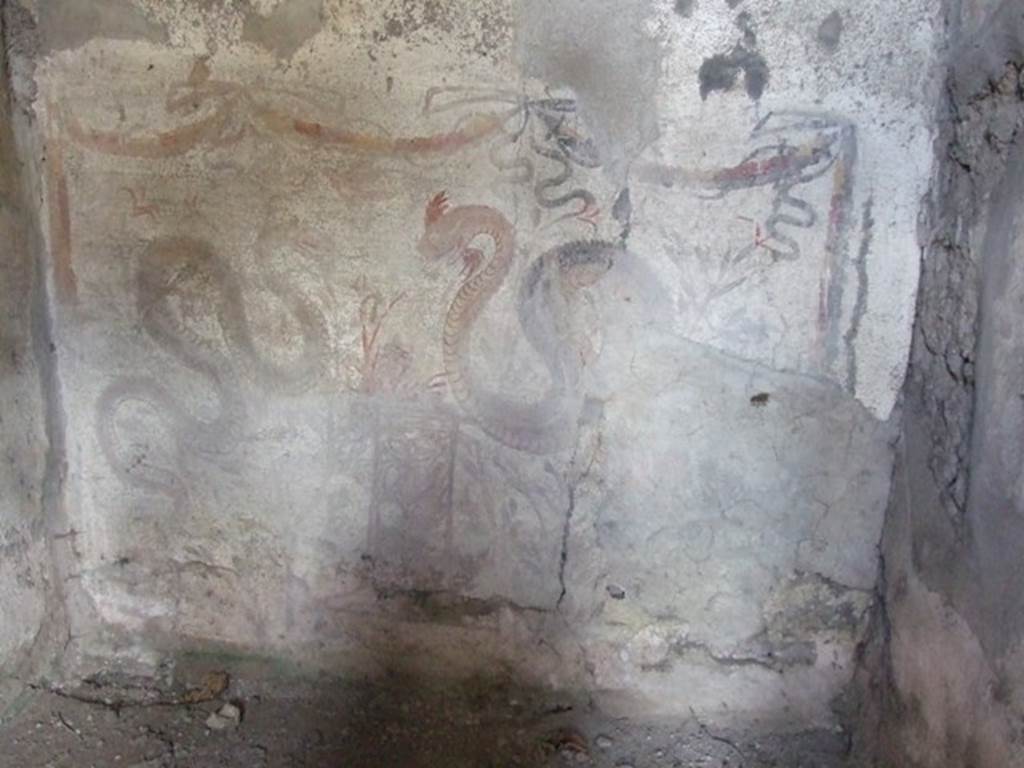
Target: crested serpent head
x,y
437,241
447,235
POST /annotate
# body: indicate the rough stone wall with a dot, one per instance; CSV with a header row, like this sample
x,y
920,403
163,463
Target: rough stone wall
x,y
26,584
388,330
950,671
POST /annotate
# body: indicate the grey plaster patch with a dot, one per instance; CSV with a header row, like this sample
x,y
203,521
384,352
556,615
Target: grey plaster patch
x,y
71,23
604,53
287,27
996,488
685,8
830,31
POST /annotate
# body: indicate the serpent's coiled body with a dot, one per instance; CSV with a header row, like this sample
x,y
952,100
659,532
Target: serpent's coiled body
x,y
545,425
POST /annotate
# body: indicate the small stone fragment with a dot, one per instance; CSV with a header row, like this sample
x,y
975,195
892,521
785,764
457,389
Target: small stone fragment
x,y
213,685
615,592
228,716
568,741
603,742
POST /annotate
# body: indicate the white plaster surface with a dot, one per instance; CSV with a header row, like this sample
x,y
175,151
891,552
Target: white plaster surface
x,y
268,449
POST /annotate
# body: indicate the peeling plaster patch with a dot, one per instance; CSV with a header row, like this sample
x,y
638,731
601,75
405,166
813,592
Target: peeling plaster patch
x,y
604,53
810,602
71,23
861,304
21,42
685,8
482,28
265,7
830,31
201,26
287,27
413,15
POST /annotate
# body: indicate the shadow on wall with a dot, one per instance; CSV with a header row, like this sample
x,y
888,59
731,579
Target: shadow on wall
x,y
950,667
218,710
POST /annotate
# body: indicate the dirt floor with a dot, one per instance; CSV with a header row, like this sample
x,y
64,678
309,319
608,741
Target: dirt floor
x,y
223,721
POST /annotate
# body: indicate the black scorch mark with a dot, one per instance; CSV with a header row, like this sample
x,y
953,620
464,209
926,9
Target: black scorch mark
x,y
720,72
760,400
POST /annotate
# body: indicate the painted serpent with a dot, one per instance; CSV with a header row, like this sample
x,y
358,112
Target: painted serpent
x,y
546,301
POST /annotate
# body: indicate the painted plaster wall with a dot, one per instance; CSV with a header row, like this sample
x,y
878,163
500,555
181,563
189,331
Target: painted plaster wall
x,y
563,332
950,671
